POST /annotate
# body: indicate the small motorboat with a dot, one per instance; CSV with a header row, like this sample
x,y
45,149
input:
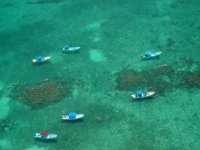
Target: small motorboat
x,y
40,59
72,116
150,54
69,49
45,135
141,94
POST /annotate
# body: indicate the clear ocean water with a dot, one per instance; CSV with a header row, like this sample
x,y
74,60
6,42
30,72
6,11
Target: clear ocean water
x,y
99,79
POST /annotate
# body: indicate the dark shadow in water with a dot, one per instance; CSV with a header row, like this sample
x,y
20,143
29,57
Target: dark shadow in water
x,y
143,99
150,59
46,2
41,63
6,5
72,121
46,141
74,52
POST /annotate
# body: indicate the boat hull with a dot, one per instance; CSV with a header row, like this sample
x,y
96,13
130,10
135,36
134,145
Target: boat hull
x,y
44,60
78,117
48,137
145,95
71,49
153,55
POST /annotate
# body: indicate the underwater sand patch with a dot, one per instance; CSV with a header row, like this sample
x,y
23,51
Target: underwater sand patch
x,y
4,107
96,55
95,38
5,145
42,93
35,147
1,86
95,25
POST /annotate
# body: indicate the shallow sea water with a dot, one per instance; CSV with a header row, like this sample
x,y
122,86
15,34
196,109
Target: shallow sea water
x,y
99,80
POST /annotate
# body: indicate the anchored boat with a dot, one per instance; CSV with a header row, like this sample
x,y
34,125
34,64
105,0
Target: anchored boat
x,y
72,116
45,135
69,49
150,54
141,94
40,59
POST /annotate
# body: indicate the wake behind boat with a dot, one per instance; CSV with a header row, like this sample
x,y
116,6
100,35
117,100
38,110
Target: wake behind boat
x,y
141,94
150,54
45,135
40,59
72,116
69,49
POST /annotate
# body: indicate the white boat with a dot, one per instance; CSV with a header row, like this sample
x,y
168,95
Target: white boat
x,y
40,59
72,116
68,49
150,54
142,94
45,135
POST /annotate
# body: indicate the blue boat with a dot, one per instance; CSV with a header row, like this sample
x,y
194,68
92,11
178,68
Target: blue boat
x,y
150,54
141,94
72,116
40,59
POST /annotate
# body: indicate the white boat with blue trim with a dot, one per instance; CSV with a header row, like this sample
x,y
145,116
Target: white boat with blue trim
x,y
45,135
40,59
141,94
72,116
151,54
69,49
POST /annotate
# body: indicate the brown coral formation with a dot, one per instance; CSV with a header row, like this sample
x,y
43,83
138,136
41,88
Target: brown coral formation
x,y
191,80
41,94
161,78
149,79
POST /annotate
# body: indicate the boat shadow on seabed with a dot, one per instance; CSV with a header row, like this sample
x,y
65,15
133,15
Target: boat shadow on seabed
x,y
147,99
46,141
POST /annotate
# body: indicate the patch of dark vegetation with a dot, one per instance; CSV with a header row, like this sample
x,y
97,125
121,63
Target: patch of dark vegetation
x,y
161,78
42,93
151,79
191,80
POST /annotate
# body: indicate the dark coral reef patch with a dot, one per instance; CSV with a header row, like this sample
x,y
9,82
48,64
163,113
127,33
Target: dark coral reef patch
x,y
151,79
191,79
42,93
160,79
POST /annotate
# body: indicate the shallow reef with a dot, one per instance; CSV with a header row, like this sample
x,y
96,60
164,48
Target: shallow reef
x,y
191,80
42,93
149,79
160,79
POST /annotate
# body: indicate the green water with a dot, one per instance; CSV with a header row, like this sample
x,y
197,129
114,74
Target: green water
x,y
102,76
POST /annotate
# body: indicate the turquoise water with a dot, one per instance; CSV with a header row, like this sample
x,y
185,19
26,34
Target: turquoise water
x,y
99,80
